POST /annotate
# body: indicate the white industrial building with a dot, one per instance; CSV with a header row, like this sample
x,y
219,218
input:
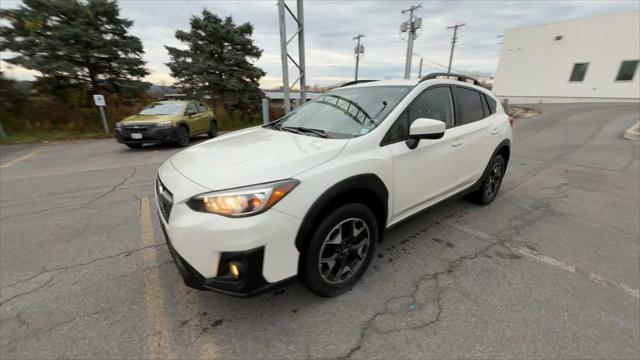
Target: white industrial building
x,y
584,60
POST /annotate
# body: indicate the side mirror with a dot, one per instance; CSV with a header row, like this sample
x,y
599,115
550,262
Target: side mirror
x,y
424,128
189,112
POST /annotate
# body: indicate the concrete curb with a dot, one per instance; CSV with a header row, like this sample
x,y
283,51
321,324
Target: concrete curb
x,y
633,133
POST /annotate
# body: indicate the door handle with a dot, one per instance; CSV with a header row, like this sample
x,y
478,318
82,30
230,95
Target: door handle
x,y
456,143
495,131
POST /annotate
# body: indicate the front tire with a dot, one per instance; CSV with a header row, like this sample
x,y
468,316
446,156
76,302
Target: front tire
x,y
183,136
491,182
340,250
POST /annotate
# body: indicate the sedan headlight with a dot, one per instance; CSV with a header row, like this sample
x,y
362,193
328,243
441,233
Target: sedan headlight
x,y
164,124
246,201
118,125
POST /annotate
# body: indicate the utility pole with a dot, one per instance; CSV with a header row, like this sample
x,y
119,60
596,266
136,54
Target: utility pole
x,y
454,39
358,50
410,28
285,56
420,68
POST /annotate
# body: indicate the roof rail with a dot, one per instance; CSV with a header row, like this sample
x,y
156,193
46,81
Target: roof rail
x,y
356,82
458,77
174,96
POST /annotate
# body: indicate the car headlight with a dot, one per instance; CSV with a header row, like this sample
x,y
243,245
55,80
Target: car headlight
x,y
164,124
118,125
246,201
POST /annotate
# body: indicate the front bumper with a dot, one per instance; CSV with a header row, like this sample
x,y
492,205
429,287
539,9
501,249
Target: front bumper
x,y
250,283
150,134
202,245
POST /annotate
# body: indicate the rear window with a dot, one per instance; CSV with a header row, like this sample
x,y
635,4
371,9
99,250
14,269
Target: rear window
x,y
470,105
492,103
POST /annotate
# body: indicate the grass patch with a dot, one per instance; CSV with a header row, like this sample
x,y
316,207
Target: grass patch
x,y
40,136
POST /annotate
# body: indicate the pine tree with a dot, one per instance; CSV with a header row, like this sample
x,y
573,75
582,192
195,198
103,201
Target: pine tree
x,y
217,63
75,43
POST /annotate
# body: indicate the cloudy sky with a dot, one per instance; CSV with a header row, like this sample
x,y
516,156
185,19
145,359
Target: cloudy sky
x,y
331,25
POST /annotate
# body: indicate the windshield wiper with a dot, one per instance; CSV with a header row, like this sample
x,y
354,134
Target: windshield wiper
x,y
300,129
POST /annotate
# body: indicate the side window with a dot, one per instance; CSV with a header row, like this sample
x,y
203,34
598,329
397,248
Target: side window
x,y
492,103
578,72
191,108
485,107
399,130
470,105
627,70
435,104
202,107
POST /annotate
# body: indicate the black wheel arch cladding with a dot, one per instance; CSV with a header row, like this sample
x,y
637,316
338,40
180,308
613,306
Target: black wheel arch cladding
x,y
503,149
367,189
184,125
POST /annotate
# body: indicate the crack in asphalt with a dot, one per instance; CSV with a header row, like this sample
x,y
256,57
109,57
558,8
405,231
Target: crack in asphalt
x,y
133,173
39,211
65,268
81,206
540,209
52,327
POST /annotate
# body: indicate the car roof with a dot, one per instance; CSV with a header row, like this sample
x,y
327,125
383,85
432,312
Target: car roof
x,y
415,82
402,82
175,101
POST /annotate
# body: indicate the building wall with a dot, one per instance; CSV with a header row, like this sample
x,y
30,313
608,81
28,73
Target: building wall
x,y
534,67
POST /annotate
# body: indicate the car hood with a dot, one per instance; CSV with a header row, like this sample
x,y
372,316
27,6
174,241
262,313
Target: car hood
x,y
146,119
253,156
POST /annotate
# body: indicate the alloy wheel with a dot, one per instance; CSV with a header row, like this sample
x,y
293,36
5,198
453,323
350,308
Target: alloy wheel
x,y
493,181
344,250
183,136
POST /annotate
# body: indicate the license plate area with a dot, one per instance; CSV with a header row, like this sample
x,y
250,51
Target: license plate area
x,y
136,136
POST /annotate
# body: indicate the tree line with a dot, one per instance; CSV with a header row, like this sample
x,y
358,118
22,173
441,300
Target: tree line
x,y
84,47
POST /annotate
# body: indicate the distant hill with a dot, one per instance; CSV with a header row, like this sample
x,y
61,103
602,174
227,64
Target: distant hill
x,y
159,90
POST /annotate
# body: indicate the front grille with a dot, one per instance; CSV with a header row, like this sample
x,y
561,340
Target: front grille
x,y
134,129
165,199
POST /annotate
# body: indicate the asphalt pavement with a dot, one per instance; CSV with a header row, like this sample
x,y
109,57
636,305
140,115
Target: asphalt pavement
x,y
551,269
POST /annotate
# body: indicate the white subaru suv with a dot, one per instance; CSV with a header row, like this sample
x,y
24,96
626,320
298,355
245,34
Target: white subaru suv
x,y
311,194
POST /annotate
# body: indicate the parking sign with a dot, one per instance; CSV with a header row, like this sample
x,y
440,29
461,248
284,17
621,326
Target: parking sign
x,y
99,100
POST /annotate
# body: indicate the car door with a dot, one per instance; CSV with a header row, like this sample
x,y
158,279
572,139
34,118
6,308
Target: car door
x,y
476,125
195,126
427,173
204,116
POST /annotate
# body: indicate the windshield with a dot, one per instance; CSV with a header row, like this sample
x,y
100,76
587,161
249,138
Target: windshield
x,y
162,109
346,112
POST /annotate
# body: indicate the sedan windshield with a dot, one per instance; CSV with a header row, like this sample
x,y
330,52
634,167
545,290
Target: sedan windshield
x,y
344,113
161,109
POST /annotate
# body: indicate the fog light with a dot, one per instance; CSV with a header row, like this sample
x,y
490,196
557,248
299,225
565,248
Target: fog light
x,y
234,269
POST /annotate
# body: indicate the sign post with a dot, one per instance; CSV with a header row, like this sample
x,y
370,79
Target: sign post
x,y
100,103
265,111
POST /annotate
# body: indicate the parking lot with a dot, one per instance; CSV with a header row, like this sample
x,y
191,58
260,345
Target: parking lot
x,y
551,269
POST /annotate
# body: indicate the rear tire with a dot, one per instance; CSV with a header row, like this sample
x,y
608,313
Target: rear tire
x,y
213,129
490,184
340,250
134,146
183,136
